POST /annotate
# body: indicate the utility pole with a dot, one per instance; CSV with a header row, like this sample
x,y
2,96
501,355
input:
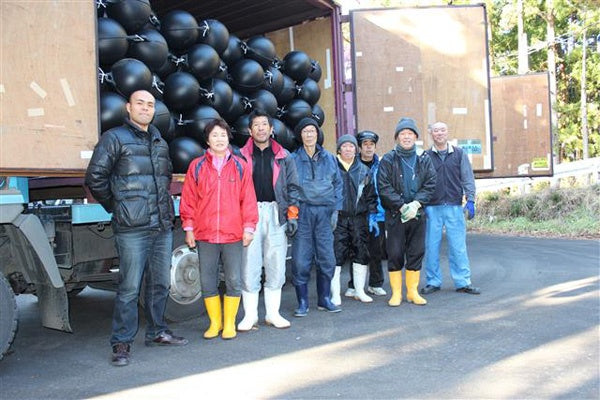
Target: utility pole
x,y
523,49
584,125
551,39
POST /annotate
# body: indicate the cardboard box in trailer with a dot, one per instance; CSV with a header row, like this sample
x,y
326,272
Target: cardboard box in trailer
x,y
49,94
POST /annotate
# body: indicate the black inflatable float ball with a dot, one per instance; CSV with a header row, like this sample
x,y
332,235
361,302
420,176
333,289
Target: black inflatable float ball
x,y
318,114
288,90
152,50
214,34
233,53
162,118
198,118
282,135
247,76
131,14
181,91
273,81
112,110
180,29
112,41
183,151
158,87
176,127
295,110
167,68
203,61
223,72
264,100
261,50
235,109
129,75
216,93
309,91
296,64
315,71
240,126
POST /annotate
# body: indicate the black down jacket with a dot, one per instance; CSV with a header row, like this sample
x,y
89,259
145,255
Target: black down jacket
x,y
129,175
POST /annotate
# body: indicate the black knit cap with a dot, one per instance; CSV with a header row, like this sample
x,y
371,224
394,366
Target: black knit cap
x,y
406,123
304,122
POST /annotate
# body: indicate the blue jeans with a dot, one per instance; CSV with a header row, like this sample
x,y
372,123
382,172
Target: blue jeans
x,y
313,242
453,219
142,252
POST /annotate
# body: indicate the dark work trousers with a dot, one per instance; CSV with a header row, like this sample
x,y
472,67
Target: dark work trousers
x,y
405,243
351,241
377,253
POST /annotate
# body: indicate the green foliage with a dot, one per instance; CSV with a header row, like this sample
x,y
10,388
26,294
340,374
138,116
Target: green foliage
x,y
571,20
570,211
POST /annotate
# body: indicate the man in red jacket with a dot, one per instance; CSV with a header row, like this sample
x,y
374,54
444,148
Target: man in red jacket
x,y
276,185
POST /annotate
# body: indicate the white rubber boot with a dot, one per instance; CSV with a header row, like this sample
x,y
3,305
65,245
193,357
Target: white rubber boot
x,y
250,320
335,287
272,303
360,278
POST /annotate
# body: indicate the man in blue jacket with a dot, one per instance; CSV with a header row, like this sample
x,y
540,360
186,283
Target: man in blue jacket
x,y
454,181
320,200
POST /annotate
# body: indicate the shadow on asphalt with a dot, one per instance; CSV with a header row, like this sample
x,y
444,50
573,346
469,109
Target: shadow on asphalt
x,y
533,333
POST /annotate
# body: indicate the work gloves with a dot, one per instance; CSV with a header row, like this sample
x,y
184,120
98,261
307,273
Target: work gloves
x,y
469,209
409,211
333,220
373,225
292,227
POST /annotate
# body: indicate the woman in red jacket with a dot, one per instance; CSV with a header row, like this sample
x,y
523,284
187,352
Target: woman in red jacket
x,y
219,214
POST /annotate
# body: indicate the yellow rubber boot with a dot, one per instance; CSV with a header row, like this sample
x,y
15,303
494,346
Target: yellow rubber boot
x,y
412,283
230,310
213,309
396,284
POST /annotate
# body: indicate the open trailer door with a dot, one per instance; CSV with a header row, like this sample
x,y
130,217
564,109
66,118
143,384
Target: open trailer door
x,y
427,63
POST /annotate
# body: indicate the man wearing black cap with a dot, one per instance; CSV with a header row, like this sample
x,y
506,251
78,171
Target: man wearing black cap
x,y
320,200
367,143
406,183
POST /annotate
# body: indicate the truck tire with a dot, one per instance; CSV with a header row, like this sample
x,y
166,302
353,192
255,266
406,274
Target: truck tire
x,y
8,316
185,296
185,300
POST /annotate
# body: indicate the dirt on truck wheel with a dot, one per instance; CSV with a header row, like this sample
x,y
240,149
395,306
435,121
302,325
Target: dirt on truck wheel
x,y
8,316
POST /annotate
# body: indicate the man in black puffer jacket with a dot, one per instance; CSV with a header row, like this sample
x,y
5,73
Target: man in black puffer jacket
x,y
129,175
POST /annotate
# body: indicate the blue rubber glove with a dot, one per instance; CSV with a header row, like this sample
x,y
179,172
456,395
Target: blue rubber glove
x,y
470,209
373,225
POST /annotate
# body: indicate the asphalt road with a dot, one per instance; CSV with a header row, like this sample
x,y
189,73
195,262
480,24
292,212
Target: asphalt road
x,y
533,333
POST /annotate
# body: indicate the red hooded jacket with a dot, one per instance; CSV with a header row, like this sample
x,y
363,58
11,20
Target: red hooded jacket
x,y
218,206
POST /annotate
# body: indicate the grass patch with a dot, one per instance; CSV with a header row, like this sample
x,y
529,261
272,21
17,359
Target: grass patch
x,y
559,212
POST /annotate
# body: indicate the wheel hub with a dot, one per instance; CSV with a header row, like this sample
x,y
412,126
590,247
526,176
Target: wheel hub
x,y
185,276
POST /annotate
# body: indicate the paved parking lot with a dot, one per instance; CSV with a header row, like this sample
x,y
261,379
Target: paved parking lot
x,y
533,333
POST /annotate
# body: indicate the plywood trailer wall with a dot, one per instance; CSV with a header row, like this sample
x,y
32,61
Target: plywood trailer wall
x,y
315,38
48,93
521,126
427,63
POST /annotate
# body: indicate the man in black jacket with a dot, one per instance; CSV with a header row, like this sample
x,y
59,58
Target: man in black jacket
x,y
406,182
129,175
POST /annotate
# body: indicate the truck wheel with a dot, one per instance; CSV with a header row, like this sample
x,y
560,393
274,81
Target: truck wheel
x,y
185,296
8,316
